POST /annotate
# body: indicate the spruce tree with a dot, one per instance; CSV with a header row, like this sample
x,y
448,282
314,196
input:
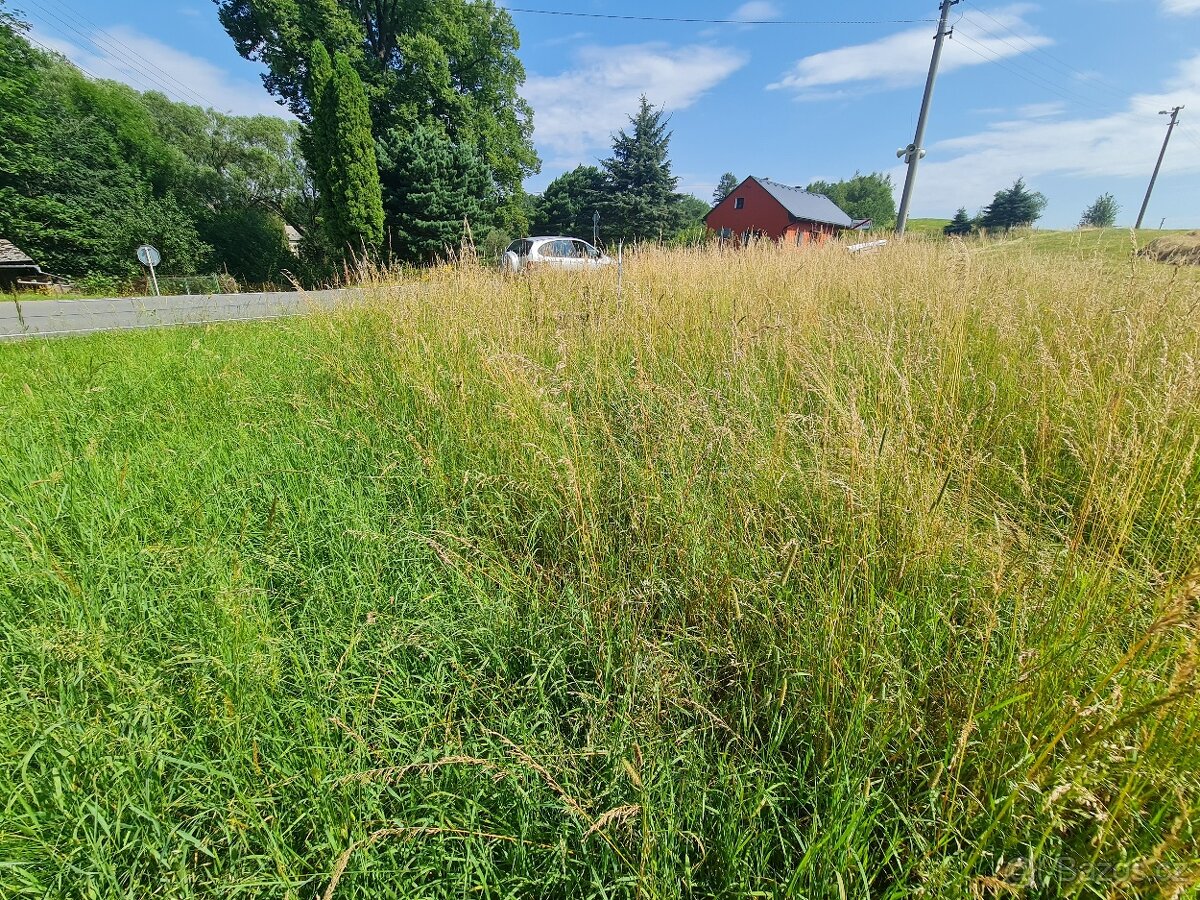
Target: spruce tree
x,y
1016,207
432,185
569,202
960,225
641,203
725,187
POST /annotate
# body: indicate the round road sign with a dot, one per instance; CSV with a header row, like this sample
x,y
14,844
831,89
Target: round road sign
x,y
148,256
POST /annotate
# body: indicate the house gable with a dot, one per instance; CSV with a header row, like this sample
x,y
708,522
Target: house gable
x,y
758,212
766,208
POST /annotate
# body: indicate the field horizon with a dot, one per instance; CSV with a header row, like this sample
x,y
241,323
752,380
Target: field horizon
x,y
754,574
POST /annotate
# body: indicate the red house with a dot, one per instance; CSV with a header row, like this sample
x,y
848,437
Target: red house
x,y
759,207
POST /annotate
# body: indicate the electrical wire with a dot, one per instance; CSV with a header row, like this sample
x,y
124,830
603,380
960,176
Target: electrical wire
x,y
1031,77
1090,78
29,37
144,80
698,21
1066,92
114,39
1190,133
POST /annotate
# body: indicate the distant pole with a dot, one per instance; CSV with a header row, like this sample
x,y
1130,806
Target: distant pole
x,y
1174,114
596,228
913,152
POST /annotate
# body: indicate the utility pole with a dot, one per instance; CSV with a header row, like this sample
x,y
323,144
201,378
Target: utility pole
x,y
1174,114
913,153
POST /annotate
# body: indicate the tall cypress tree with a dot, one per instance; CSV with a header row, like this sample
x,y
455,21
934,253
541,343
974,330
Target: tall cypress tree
x,y
641,203
343,155
317,138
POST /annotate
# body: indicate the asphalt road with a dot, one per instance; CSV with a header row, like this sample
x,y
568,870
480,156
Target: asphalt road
x,y
54,318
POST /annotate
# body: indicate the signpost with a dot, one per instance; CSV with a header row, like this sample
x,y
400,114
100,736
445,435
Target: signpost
x,y
150,258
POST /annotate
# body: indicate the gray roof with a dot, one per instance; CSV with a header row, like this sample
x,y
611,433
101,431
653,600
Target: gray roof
x,y
803,205
12,255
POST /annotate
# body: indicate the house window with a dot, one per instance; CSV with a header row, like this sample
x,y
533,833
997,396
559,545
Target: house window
x,y
725,233
739,203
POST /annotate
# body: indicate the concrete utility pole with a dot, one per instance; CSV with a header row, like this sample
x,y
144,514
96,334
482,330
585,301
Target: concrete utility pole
x,y
913,153
1174,114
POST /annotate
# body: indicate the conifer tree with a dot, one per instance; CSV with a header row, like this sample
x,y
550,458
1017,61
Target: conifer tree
x,y
569,202
725,187
960,225
317,137
432,185
1014,208
641,203
355,204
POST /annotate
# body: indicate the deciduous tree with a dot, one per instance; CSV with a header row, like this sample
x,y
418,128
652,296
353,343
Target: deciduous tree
x,y
1101,214
449,64
862,197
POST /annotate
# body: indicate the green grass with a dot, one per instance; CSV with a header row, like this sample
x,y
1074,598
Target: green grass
x,y
928,227
778,574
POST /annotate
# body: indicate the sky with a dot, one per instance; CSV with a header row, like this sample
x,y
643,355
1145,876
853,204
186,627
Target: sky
x,y
1065,93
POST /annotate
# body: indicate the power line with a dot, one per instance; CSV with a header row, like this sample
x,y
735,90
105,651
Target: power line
x,y
1032,77
33,40
696,21
1190,133
114,39
1066,93
1042,52
146,81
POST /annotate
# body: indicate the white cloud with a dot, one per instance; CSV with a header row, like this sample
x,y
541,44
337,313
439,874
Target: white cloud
x,y
124,54
578,110
1120,145
756,11
903,58
1181,7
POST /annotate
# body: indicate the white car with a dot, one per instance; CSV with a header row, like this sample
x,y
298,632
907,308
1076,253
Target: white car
x,y
558,252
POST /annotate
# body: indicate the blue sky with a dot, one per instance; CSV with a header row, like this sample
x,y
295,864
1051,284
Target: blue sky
x,y
1063,92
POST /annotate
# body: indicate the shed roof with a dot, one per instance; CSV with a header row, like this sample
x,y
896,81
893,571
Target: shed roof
x,y
803,205
11,255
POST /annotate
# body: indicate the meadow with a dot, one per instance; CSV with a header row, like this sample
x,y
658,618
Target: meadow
x,y
742,574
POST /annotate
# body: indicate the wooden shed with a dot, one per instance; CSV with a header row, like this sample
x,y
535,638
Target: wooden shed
x,y
17,268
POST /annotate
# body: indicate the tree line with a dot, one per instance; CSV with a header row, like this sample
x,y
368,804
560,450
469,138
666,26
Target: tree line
x,y
635,195
1019,207
409,130
90,169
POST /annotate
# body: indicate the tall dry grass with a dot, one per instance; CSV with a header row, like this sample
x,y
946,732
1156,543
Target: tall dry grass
x,y
804,574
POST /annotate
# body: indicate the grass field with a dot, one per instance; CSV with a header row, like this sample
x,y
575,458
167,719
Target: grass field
x,y
773,575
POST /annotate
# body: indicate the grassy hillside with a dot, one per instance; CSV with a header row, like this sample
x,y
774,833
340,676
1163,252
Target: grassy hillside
x,y
778,574
928,227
